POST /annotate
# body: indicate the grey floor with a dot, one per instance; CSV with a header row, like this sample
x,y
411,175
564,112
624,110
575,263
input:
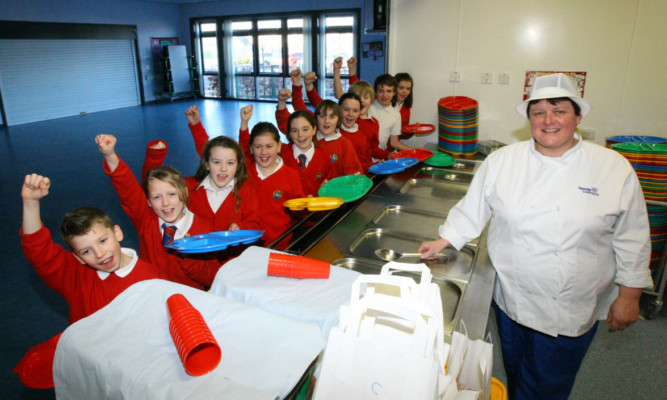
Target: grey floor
x,y
621,365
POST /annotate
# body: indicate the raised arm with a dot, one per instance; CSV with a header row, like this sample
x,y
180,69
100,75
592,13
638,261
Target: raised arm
x,y
297,91
313,97
192,114
282,113
107,146
244,133
352,66
338,85
199,134
156,152
246,114
34,188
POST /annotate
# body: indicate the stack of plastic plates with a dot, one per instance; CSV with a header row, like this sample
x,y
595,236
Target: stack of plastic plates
x,y
634,139
650,163
457,126
657,218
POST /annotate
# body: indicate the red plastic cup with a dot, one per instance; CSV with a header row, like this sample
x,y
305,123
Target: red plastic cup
x,y
299,267
196,345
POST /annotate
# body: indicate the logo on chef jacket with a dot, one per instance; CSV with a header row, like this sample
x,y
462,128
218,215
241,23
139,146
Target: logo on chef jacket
x,y
319,176
277,195
592,191
334,158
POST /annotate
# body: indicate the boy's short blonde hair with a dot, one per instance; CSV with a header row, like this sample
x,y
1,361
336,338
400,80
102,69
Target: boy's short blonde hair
x,y
362,88
168,175
80,221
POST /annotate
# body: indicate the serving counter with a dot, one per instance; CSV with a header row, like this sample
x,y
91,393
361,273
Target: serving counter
x,y
399,212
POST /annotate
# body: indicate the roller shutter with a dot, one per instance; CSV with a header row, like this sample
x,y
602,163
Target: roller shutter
x,y
46,79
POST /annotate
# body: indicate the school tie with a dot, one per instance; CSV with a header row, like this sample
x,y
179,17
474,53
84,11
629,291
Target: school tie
x,y
168,234
302,160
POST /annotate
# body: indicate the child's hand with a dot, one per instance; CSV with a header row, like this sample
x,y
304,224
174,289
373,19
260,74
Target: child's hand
x,y
352,65
337,64
35,187
158,146
106,143
246,113
309,78
192,114
284,94
296,76
233,227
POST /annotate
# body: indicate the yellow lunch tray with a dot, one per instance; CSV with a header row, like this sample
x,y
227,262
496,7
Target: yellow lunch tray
x,y
313,203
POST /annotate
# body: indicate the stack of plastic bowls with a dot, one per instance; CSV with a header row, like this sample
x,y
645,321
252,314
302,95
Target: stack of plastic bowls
x,y
650,163
458,126
634,139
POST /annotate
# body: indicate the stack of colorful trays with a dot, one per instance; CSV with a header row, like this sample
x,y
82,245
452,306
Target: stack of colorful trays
x,y
650,163
634,139
458,126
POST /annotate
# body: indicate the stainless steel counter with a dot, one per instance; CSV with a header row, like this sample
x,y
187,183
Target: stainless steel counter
x,y
400,212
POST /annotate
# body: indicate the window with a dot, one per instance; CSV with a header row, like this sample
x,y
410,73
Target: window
x,y
339,41
209,60
256,54
242,54
270,54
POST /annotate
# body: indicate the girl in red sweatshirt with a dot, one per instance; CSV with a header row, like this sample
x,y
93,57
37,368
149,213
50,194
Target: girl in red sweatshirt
x,y
304,155
274,181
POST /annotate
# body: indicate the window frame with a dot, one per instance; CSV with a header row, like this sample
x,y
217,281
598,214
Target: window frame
x,y
314,43
196,35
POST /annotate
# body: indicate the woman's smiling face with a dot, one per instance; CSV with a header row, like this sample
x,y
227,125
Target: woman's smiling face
x,y
553,127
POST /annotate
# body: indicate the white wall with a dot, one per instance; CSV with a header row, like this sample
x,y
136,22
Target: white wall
x,y
620,44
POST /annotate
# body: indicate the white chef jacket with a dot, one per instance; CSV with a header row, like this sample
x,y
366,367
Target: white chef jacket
x,y
389,120
564,233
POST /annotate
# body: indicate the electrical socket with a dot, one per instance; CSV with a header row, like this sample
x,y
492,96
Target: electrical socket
x,y
504,78
487,78
454,77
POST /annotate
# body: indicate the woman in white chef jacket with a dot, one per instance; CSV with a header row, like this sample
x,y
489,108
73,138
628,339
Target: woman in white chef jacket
x,y
569,239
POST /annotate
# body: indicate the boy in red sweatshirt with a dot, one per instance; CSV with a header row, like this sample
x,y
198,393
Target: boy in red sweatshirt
x,y
88,277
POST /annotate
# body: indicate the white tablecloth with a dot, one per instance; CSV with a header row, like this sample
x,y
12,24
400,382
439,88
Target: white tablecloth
x,y
125,351
315,300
